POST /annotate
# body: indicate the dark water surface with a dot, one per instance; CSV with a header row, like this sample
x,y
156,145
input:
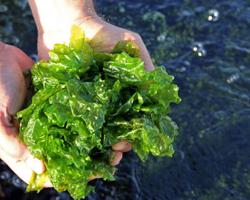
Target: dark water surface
x,y
206,46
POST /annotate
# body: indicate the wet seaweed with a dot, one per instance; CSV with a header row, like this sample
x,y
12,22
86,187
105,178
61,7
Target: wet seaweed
x,y
209,56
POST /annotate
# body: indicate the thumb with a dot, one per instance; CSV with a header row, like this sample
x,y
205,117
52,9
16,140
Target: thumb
x,y
15,149
145,56
24,61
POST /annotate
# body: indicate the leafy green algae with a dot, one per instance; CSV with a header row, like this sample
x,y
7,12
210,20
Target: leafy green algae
x,y
86,101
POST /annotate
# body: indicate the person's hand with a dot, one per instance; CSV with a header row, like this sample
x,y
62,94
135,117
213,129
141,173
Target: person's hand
x,y
95,30
54,19
13,62
103,37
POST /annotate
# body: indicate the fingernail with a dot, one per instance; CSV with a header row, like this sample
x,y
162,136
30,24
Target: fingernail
x,y
35,164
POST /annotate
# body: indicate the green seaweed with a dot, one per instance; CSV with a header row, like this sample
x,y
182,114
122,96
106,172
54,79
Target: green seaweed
x,y
86,101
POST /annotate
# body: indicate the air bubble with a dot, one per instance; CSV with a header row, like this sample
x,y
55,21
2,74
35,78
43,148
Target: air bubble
x,y
199,49
182,154
186,62
5,175
161,38
213,15
121,9
182,69
233,78
3,8
17,182
242,67
15,40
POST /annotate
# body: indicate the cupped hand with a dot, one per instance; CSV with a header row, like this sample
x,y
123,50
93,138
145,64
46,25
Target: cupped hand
x,y
13,90
103,37
13,62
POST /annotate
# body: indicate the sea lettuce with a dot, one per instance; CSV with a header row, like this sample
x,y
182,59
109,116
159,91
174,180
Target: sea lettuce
x,y
84,102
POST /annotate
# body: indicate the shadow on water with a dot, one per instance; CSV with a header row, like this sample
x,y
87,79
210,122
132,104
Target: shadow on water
x,y
206,46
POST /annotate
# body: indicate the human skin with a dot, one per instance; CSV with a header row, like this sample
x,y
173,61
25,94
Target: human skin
x,y
54,19
13,62
13,92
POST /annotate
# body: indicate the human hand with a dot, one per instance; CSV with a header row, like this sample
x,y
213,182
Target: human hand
x,y
46,42
13,62
54,27
54,19
103,37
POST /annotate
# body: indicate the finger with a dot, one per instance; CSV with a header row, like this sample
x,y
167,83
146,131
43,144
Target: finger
x,y
9,139
117,156
43,54
14,148
34,164
24,61
19,168
123,146
145,56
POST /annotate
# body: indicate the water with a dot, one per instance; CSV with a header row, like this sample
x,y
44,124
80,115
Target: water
x,y
206,46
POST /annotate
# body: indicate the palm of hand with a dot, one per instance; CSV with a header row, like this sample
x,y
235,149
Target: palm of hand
x,y
102,36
